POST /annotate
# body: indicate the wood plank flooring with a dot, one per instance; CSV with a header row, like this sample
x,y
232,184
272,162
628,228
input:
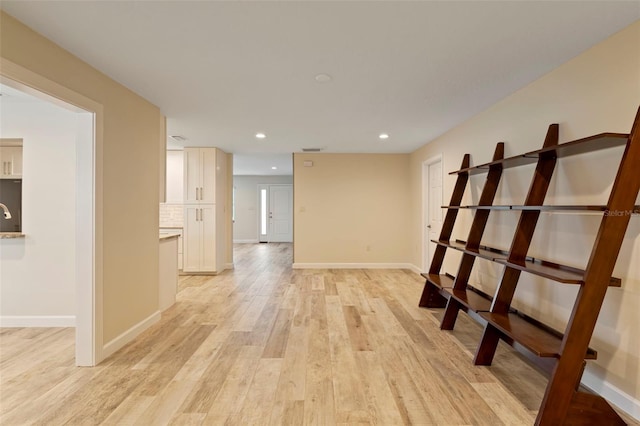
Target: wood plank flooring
x,y
268,345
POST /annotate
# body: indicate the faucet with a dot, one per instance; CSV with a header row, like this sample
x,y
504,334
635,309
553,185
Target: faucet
x,y
7,213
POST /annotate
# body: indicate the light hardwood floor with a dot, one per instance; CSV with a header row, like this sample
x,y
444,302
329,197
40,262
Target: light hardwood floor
x,y
265,344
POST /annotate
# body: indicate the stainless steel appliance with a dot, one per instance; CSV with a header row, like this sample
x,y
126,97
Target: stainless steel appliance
x,y
11,196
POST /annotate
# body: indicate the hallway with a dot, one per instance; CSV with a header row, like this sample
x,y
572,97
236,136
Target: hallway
x,y
266,344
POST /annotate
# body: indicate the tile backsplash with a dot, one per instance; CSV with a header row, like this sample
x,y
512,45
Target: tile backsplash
x,y
171,215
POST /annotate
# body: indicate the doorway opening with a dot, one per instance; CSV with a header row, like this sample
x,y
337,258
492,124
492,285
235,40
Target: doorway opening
x,y
77,209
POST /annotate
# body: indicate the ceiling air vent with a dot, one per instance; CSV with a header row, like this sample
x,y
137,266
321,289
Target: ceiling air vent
x,y
311,149
178,138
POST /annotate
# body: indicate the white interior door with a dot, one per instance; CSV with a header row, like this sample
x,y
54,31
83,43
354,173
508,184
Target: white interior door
x,y
432,207
281,213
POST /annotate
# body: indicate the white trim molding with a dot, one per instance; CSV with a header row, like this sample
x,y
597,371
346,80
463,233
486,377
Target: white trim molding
x,y
611,393
251,241
38,321
89,209
126,337
355,266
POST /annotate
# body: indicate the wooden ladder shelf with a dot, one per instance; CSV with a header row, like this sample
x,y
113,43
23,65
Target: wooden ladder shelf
x,y
562,355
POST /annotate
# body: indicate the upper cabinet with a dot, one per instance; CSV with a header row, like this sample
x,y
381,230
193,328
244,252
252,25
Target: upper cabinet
x,y
199,175
11,162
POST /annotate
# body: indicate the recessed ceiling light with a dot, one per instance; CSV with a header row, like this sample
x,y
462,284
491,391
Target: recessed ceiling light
x,y
323,78
274,168
383,136
260,135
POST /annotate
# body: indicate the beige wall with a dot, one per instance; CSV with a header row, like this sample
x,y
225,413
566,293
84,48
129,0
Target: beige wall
x,y
598,91
130,165
351,208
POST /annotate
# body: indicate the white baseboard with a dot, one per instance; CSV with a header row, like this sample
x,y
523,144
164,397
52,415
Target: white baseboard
x,y
252,241
38,321
611,393
353,266
414,268
229,266
117,343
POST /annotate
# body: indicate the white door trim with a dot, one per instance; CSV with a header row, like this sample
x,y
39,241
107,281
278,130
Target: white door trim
x,y
89,240
423,221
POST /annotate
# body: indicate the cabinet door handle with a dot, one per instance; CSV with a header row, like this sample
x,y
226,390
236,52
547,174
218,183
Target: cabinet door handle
x,y
201,191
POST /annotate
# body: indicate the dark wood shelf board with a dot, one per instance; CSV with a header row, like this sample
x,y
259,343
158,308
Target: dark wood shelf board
x,y
553,271
591,208
470,299
584,145
484,252
580,146
535,337
562,208
534,208
439,280
470,207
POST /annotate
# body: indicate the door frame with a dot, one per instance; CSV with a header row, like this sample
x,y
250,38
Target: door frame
x,y
89,202
424,220
268,186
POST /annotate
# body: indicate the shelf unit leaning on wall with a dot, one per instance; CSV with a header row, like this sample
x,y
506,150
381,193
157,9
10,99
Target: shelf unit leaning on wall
x,y
561,355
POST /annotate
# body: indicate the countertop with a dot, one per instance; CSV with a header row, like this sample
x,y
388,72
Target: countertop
x,y
168,236
6,235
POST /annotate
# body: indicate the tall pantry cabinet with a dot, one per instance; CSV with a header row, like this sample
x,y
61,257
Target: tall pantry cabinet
x,y
205,185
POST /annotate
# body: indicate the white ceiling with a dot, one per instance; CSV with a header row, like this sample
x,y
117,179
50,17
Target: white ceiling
x,y
222,71
262,164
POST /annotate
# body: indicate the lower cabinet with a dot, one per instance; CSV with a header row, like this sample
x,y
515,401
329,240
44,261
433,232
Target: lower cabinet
x,y
199,238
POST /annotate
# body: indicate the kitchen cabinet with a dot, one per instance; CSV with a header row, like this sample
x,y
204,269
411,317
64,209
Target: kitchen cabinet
x,y
199,250
11,162
200,175
205,210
